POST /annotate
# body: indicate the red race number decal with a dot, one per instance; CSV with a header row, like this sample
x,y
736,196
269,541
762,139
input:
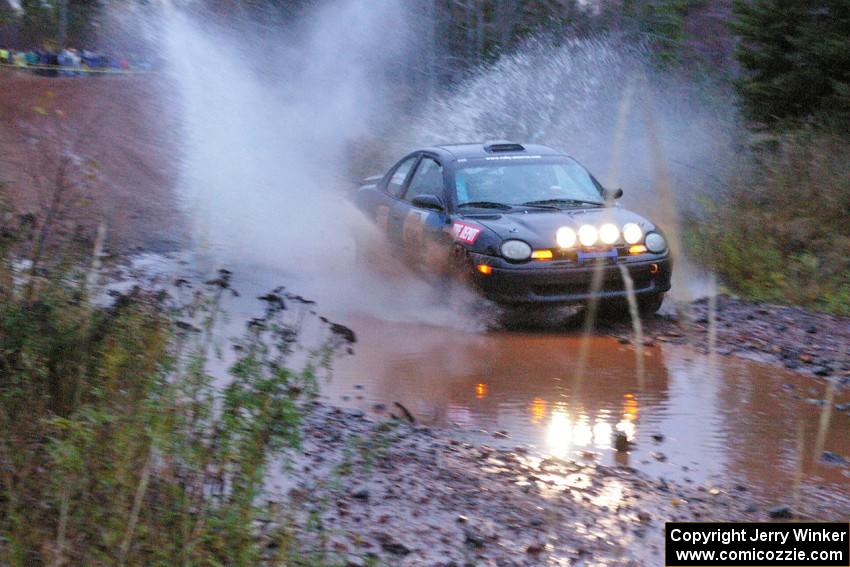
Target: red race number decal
x,y
466,233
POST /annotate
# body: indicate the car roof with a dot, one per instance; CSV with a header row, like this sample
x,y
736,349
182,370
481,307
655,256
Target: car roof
x,y
480,150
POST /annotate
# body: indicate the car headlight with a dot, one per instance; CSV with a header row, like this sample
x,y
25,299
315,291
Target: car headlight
x,y
632,233
588,235
566,237
516,250
609,233
655,243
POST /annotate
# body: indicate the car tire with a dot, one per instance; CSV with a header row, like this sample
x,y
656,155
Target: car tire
x,y
650,304
612,310
461,269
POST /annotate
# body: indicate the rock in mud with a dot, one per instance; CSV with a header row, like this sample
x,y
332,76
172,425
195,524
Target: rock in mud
x,y
535,548
390,545
831,458
473,538
536,521
361,494
782,512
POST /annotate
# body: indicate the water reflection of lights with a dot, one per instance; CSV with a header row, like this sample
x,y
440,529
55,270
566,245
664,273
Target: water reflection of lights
x,y
559,434
538,410
602,434
627,427
565,432
630,412
610,495
481,391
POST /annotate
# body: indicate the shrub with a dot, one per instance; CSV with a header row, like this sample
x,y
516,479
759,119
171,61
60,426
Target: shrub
x,y
116,445
779,232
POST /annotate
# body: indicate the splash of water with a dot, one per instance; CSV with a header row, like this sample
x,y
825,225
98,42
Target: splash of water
x,y
637,327
267,127
269,124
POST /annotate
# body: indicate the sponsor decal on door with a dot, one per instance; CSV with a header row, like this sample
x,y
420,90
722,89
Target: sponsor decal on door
x,y
382,217
414,227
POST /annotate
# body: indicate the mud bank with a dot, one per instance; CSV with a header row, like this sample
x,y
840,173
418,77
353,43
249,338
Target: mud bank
x,y
114,139
793,337
388,492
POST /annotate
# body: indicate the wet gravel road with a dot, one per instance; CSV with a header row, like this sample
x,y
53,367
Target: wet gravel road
x,y
801,340
403,494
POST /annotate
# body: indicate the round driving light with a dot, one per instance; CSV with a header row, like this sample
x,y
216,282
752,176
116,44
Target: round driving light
x,y
566,237
609,233
655,243
516,250
632,233
587,235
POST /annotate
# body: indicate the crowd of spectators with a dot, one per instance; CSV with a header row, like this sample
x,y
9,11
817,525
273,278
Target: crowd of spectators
x,y
67,62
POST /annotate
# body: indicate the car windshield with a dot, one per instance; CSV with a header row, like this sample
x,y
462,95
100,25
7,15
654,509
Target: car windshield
x,y
522,183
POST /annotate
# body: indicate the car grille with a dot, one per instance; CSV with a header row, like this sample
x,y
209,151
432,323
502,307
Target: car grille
x,y
582,288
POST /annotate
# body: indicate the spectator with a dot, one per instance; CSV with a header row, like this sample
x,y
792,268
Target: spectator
x,y
64,62
71,62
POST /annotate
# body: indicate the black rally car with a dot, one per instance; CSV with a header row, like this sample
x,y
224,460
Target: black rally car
x,y
525,223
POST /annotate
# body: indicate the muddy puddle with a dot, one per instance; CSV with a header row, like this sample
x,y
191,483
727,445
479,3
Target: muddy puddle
x,y
693,419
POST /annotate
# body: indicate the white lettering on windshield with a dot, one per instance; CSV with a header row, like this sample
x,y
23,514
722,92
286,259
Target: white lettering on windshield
x,y
499,158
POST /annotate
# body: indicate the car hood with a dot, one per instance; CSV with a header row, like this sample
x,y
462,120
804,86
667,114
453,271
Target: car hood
x,y
538,227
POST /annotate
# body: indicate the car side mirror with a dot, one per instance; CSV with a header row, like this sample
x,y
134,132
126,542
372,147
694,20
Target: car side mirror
x,y
612,194
427,201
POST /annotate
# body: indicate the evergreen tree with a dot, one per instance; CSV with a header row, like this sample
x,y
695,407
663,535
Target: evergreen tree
x,y
796,58
39,22
661,22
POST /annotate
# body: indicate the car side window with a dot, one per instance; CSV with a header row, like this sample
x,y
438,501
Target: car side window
x,y
396,182
427,180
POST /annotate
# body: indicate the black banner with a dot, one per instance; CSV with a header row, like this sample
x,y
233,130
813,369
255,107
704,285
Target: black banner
x,y
757,544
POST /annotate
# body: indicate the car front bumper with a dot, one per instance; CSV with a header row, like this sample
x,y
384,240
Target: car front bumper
x,y
568,282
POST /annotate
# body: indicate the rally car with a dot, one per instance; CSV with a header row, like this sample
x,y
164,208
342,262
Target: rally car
x,y
523,223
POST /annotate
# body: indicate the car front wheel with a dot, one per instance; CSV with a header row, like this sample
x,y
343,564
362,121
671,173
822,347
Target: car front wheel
x,y
650,304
